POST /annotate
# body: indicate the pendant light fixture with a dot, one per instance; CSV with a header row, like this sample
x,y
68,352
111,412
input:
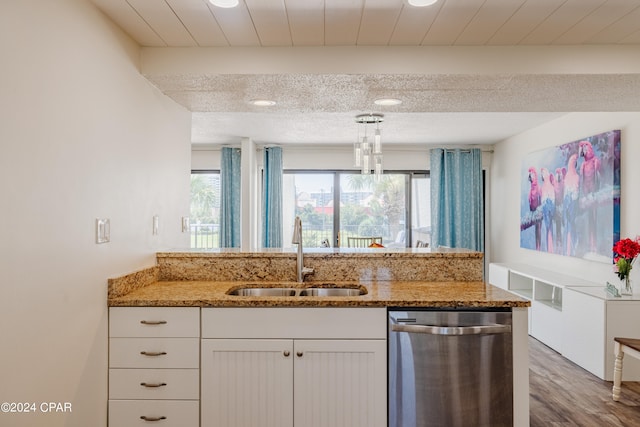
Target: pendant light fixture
x,y
367,150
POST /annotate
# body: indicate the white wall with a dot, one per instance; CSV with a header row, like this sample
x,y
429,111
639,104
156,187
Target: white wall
x,y
506,177
83,135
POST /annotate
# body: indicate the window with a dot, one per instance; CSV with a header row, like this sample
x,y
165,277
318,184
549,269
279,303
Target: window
x,y
205,209
310,196
420,209
348,204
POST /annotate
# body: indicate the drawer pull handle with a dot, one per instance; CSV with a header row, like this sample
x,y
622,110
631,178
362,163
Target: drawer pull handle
x,y
286,353
153,353
144,417
153,384
299,354
153,322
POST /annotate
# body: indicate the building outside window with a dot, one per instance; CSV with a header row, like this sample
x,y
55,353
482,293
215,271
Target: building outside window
x,y
337,205
330,204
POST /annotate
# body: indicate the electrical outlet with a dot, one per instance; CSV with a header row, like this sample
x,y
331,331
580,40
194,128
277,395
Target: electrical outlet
x,y
156,223
103,230
185,224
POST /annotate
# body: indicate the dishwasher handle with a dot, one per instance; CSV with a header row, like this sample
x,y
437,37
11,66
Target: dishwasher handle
x,y
453,330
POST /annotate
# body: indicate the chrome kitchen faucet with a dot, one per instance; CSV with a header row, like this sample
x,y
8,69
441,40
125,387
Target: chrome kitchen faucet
x,y
301,270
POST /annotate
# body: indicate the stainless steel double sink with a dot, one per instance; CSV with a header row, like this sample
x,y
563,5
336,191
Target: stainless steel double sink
x,y
326,290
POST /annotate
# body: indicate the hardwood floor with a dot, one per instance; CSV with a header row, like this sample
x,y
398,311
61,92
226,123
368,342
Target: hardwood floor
x,y
564,394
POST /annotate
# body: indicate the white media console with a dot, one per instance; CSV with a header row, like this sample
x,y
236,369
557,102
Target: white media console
x,y
575,317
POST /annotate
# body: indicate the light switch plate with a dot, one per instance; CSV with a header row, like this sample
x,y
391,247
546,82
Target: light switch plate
x,y
103,230
156,222
185,224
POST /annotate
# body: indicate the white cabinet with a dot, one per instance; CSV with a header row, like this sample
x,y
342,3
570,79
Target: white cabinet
x,y
546,325
545,290
340,382
154,359
294,367
592,318
247,382
575,317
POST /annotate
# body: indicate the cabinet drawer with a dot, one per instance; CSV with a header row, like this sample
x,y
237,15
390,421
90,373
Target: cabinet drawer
x,y
154,352
154,322
128,413
154,384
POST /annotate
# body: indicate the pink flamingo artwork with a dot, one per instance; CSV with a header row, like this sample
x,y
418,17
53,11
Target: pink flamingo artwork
x,y
548,202
534,202
589,185
570,203
558,221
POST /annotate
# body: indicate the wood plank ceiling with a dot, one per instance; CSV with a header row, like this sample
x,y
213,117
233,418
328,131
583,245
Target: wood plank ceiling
x,y
435,109
190,23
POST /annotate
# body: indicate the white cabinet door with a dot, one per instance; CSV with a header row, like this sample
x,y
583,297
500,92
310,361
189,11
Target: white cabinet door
x,y
247,383
546,324
590,325
340,383
584,331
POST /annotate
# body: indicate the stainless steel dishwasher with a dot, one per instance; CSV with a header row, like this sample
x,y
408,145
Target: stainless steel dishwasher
x,y
450,368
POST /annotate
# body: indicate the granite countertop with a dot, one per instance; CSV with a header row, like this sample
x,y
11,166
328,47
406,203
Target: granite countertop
x,y
379,294
406,277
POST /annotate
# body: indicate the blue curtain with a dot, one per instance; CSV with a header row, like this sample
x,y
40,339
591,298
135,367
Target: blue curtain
x,y
230,198
457,207
272,198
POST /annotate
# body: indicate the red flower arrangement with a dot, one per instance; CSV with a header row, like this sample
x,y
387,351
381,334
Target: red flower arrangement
x,y
625,252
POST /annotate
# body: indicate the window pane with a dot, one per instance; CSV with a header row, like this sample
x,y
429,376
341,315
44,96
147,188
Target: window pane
x,y
205,210
420,210
310,196
373,208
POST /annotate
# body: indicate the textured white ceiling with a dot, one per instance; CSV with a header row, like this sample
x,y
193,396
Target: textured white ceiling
x,y
464,107
443,109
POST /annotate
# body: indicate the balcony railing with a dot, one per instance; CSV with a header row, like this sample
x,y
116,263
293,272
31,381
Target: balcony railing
x,y
205,236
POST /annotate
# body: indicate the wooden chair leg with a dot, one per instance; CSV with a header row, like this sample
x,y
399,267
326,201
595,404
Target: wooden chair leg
x,y
617,371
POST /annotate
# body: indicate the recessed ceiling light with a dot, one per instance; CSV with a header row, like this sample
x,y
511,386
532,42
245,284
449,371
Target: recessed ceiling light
x,y
422,3
263,102
224,3
387,101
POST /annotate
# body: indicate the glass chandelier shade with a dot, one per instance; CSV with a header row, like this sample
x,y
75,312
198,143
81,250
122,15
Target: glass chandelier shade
x,y
367,155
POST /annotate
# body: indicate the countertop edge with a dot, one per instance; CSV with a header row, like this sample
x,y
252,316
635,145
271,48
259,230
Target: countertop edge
x,y
379,294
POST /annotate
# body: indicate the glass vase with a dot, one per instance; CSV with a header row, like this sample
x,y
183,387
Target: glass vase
x,y
626,287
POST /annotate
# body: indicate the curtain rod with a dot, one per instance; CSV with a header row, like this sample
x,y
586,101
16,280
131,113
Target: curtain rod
x,y
219,148
462,150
